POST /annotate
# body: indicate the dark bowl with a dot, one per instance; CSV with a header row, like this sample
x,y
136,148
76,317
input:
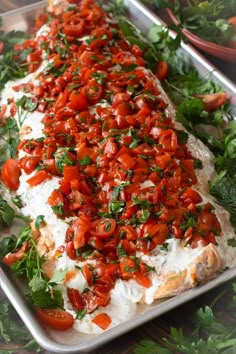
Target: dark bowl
x,y
216,50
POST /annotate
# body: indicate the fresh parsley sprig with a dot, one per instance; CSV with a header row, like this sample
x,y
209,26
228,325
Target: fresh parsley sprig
x,y
12,331
210,335
8,214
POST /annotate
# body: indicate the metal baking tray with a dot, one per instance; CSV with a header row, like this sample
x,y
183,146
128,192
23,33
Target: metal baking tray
x,y
72,341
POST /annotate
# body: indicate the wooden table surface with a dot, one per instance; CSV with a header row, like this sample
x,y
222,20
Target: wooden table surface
x,y
181,316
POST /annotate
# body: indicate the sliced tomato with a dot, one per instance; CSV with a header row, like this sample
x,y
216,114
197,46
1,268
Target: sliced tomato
x,y
3,108
75,30
127,161
55,318
123,109
103,228
38,178
162,70
102,320
1,46
79,227
210,220
192,195
87,273
127,267
70,250
71,173
11,258
213,101
77,101
197,241
10,174
28,163
143,279
93,91
75,298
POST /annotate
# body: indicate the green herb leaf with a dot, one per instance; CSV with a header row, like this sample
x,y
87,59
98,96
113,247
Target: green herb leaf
x,y
231,242
47,299
39,221
85,161
80,314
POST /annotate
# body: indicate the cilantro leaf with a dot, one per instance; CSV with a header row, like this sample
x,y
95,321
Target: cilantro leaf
x,y
85,161
47,299
39,221
80,314
12,330
58,277
149,346
224,189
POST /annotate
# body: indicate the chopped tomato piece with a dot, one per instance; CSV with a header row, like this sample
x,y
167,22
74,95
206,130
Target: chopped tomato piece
x,y
71,173
162,70
75,299
143,280
126,160
77,101
127,267
38,178
87,273
103,228
10,174
191,194
55,318
28,163
102,320
80,226
213,101
11,258
4,106
75,30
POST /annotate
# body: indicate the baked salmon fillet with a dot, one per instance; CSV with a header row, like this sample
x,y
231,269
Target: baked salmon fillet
x,y
116,189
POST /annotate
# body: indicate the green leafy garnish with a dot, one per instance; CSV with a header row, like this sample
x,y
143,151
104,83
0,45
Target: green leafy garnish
x,y
9,133
85,161
39,221
211,334
13,331
8,214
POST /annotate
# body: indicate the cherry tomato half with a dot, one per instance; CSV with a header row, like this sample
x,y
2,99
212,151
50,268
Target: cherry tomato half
x,y
213,101
162,70
55,318
103,227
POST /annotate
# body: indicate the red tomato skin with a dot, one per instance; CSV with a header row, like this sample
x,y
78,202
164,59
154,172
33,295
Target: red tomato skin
x,y
102,320
38,178
162,70
213,101
232,20
10,174
77,101
79,227
98,230
55,318
11,258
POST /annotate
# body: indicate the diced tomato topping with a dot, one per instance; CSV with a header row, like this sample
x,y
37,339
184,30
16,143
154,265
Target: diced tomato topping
x,y
38,178
126,180
103,228
102,320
